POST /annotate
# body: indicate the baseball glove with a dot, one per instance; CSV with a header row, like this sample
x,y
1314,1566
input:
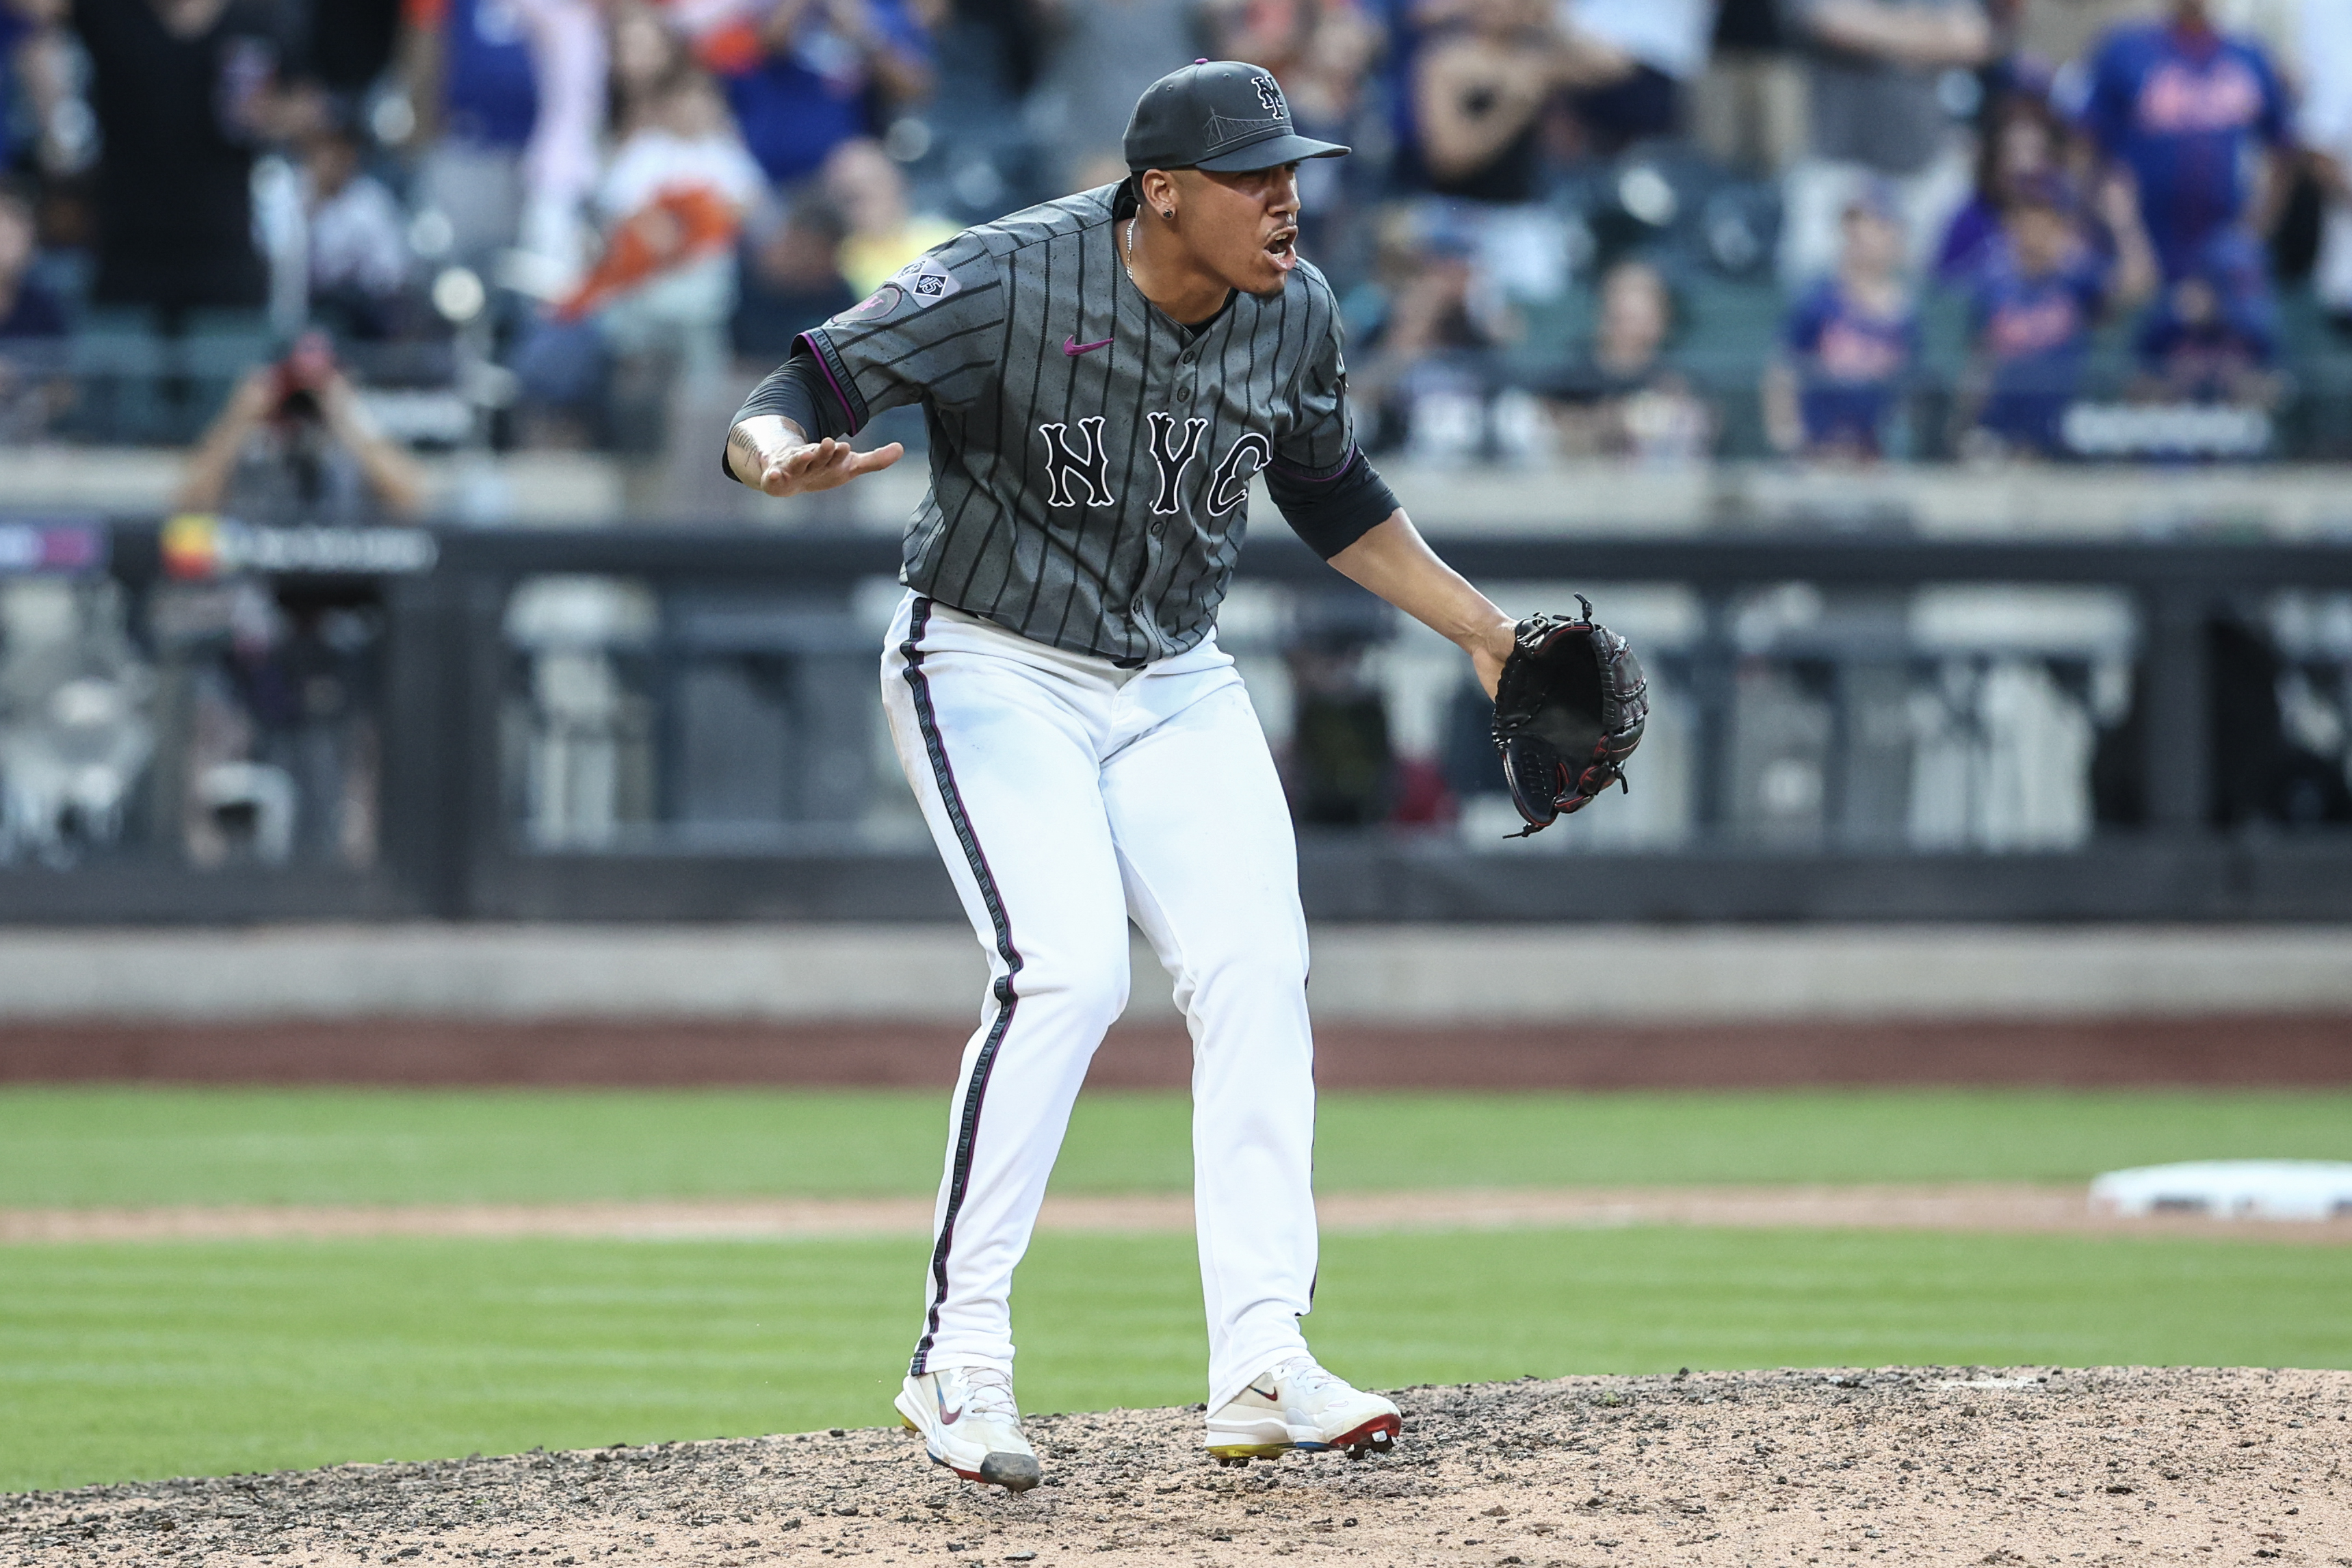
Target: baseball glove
x,y
1568,711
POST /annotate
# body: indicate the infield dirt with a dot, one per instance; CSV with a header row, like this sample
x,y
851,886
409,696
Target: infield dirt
x,y
1945,1466
2013,1207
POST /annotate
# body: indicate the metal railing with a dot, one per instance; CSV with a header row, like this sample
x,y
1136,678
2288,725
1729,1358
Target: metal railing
x,y
681,723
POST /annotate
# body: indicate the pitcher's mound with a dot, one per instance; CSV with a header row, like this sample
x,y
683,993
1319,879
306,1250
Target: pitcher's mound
x,y
1945,1466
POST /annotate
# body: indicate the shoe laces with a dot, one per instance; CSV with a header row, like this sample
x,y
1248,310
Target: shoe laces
x,y
989,1392
1305,1375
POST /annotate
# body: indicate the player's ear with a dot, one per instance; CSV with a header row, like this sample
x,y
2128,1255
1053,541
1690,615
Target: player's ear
x,y
1158,189
1180,184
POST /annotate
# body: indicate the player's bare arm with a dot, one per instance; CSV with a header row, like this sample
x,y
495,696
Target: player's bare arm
x,y
772,454
1570,701
1394,562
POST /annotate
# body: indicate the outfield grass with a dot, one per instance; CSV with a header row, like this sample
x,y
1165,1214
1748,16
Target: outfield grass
x,y
125,1361
119,1362
88,1146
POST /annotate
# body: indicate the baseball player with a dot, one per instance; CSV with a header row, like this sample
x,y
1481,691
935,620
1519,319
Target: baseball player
x,y
1101,377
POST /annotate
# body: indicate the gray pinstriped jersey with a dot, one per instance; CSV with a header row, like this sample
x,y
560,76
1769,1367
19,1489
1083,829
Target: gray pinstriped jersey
x,y
1090,458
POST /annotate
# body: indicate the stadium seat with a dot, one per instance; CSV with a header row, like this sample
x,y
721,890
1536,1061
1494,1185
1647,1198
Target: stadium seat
x,y
118,360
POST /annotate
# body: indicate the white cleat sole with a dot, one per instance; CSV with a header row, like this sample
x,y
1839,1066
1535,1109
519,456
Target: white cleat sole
x,y
1014,1473
1377,1435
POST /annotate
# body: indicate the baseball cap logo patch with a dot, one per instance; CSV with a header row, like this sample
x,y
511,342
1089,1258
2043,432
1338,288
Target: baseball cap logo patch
x,y
1269,93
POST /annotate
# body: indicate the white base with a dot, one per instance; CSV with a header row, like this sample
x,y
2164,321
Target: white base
x,y
2231,1189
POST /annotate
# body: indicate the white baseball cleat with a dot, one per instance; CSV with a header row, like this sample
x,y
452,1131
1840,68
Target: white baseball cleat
x,y
1298,1405
970,1423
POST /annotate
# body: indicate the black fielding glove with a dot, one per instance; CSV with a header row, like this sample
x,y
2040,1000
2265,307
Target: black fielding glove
x,y
1568,710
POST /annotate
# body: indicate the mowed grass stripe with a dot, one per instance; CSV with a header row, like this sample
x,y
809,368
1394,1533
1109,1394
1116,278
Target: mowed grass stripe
x,y
130,1147
120,1363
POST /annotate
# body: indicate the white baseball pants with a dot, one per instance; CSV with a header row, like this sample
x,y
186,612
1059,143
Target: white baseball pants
x,y
1066,795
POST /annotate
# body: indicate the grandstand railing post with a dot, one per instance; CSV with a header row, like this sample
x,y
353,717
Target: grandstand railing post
x,y
2177,736
423,748
1712,696
476,796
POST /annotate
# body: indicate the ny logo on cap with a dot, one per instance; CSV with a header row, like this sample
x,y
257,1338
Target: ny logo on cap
x,y
1224,132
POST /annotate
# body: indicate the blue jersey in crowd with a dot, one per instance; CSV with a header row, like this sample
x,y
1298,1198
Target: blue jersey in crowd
x,y
14,30
2185,108
2036,331
1850,364
794,107
2202,339
488,93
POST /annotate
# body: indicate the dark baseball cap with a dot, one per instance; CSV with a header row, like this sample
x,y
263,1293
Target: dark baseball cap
x,y
1225,116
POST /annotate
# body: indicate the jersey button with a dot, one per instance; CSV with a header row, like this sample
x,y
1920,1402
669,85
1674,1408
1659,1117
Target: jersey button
x,y
1158,531
1188,356
1183,394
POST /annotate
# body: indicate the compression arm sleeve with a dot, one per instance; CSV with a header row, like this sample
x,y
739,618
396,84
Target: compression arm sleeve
x,y
1331,511
796,390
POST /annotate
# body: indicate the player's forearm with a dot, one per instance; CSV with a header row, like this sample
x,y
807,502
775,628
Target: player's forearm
x,y
1395,562
393,474
1454,140
390,472
2329,171
2273,183
202,482
754,443
773,456
1905,36
205,480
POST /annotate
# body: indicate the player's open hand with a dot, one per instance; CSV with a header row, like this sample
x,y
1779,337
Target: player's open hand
x,y
822,466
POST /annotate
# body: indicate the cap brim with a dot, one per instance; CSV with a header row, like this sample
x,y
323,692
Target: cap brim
x,y
1272,152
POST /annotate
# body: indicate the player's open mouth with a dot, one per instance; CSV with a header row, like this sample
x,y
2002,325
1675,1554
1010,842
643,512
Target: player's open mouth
x,y
1283,249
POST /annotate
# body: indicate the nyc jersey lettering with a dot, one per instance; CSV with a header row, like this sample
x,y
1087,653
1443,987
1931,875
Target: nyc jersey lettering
x,y
1077,468
2030,326
1231,486
1170,456
2177,99
1084,466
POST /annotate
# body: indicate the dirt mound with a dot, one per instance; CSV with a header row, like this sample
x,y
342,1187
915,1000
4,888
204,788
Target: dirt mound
x,y
2119,1465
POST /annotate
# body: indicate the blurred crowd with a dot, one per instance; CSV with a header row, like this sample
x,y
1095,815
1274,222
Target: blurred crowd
x,y
1656,229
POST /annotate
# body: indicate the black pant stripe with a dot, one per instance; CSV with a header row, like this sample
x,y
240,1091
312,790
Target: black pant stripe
x,y
968,1128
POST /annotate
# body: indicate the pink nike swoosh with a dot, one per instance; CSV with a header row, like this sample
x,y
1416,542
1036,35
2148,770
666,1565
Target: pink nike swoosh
x,y
1071,346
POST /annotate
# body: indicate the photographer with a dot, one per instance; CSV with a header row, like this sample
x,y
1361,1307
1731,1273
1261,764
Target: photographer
x,y
295,445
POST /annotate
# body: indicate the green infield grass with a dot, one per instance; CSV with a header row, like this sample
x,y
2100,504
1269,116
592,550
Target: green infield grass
x,y
120,1361
91,1146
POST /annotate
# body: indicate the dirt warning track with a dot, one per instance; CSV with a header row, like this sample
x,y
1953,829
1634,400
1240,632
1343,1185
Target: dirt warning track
x,y
2106,1467
2274,1051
